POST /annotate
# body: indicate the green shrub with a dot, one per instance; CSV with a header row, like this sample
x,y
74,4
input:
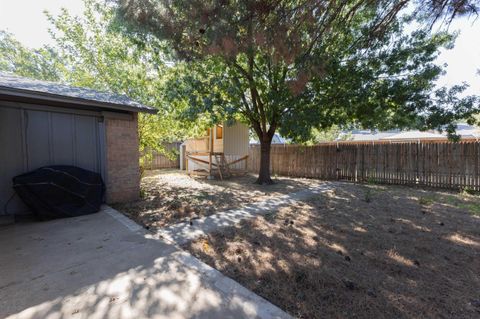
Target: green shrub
x,y
426,201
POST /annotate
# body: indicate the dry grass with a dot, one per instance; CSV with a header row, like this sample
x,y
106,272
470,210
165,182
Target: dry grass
x,y
359,251
171,196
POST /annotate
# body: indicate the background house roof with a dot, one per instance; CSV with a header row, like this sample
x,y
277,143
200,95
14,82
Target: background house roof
x,y
365,135
468,131
414,135
276,139
464,130
12,85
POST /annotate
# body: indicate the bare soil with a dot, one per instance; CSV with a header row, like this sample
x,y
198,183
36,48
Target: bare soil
x,y
360,251
171,196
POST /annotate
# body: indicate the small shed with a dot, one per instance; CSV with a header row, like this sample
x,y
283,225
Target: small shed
x,y
45,123
222,151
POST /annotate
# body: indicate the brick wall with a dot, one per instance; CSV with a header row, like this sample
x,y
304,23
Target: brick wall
x,y
122,157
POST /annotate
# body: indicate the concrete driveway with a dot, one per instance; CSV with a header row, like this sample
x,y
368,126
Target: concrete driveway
x,y
106,266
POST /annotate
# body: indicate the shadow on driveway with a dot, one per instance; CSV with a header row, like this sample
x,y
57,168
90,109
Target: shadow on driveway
x,y
95,267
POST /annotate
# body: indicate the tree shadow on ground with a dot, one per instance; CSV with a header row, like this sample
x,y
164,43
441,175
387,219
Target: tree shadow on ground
x,y
94,267
171,196
359,251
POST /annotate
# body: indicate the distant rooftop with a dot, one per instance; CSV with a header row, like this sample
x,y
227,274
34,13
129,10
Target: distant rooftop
x,y
414,135
464,130
276,139
14,85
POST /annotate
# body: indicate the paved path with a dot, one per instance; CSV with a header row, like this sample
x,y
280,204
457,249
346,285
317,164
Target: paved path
x,y
106,266
184,232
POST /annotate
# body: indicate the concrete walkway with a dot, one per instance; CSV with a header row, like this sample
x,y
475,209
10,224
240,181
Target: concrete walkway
x,y
105,266
184,232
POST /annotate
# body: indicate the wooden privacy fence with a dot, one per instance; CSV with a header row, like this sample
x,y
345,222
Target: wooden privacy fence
x,y
157,160
435,164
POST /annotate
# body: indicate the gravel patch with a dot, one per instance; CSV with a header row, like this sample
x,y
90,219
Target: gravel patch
x,y
171,196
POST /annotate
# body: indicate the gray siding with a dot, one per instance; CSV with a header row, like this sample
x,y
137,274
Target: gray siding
x,y
11,155
31,139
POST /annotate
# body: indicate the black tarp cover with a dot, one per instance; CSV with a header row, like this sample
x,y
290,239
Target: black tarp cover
x,y
60,191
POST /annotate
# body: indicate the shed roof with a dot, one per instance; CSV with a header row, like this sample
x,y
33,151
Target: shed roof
x,y
12,85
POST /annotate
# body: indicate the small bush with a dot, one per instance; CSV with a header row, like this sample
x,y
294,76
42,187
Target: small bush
x,y
143,193
425,201
469,191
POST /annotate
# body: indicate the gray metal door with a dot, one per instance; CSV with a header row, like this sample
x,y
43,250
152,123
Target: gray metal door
x,y
30,139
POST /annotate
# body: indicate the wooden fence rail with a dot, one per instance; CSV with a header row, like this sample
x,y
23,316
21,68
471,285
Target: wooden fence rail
x,y
157,160
435,164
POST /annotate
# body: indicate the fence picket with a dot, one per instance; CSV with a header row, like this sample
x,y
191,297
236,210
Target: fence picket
x,y
435,164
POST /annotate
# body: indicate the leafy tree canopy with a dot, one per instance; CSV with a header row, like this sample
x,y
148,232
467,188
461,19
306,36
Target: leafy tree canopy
x,y
96,56
298,65
41,64
90,53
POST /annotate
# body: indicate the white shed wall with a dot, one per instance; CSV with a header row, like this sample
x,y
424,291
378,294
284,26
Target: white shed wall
x,y
235,139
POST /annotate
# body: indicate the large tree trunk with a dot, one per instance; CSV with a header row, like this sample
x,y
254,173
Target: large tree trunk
x,y
264,173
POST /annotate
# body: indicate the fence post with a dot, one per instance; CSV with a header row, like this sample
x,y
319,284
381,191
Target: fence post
x,y
431,163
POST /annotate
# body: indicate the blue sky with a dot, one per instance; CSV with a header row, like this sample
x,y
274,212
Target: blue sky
x,y
25,19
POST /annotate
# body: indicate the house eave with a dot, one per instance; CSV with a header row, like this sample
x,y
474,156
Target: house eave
x,y
19,94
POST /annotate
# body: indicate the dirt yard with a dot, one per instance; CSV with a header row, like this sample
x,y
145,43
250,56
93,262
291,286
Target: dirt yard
x,y
171,196
361,251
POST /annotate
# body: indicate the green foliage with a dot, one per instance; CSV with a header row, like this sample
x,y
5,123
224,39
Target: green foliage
x,y
99,58
89,52
426,201
331,134
469,191
472,208
290,67
466,200
42,64
143,193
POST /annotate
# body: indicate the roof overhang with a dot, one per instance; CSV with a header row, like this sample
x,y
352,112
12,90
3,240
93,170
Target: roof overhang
x,y
28,96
